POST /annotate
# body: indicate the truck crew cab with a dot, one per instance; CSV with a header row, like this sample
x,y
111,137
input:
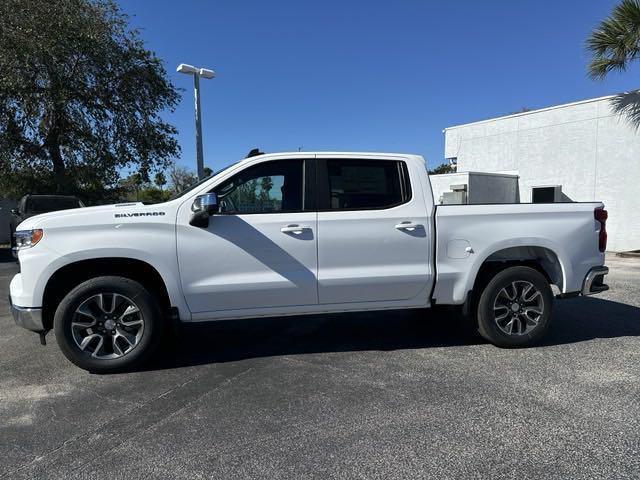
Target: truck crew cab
x,y
298,233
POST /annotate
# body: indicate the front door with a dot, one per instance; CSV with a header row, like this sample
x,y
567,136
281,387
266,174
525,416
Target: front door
x,y
260,251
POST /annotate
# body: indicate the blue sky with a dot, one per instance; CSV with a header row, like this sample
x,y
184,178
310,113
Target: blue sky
x,y
366,75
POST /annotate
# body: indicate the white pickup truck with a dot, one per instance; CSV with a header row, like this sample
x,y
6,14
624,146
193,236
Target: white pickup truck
x,y
298,233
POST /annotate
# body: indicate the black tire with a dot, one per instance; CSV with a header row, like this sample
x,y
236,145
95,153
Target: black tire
x,y
132,291
519,329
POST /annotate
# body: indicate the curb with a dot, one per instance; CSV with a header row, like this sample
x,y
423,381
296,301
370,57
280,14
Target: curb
x,y
634,254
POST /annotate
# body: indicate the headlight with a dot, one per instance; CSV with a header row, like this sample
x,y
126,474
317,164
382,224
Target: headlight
x,y
28,238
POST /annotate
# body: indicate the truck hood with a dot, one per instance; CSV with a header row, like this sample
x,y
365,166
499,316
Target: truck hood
x,y
81,216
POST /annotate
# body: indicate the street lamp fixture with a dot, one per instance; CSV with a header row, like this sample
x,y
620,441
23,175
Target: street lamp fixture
x,y
197,73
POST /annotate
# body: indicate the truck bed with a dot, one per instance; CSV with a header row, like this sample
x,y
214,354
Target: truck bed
x,y
469,235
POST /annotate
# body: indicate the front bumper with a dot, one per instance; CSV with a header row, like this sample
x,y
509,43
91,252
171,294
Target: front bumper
x,y
29,318
594,281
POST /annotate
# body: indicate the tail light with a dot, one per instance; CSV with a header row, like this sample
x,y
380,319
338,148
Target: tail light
x,y
601,215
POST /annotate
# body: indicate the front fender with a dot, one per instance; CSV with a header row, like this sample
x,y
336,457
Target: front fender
x,y
165,267
151,243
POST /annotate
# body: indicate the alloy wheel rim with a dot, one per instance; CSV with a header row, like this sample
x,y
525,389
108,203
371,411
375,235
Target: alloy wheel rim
x,y
518,308
107,326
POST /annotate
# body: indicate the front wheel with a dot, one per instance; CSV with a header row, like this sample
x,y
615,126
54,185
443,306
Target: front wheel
x,y
515,308
108,324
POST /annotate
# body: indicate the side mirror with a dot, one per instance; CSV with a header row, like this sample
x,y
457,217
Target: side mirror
x,y
15,211
206,203
203,207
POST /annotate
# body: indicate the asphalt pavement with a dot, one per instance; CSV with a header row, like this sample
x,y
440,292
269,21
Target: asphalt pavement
x,y
388,395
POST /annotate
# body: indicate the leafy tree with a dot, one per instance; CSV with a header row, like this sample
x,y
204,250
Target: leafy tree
x,y
134,189
245,196
266,184
80,97
130,186
181,178
137,179
614,44
442,168
151,194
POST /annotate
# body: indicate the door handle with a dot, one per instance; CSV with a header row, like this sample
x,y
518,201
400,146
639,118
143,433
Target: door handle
x,y
295,229
408,226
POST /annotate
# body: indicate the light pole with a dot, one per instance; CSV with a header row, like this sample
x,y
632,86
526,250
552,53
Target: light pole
x,y
197,73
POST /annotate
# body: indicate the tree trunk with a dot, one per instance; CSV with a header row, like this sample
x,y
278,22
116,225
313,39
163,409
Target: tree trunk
x,y
52,144
59,169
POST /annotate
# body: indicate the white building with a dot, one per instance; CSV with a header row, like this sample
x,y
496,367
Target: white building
x,y
580,151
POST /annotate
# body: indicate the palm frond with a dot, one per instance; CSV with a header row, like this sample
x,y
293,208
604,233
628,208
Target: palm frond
x,y
616,41
628,105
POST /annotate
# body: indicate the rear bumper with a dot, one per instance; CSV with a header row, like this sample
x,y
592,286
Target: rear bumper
x,y
594,281
29,318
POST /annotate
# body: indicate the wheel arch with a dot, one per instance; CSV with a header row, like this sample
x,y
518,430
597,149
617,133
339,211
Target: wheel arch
x,y
67,277
542,258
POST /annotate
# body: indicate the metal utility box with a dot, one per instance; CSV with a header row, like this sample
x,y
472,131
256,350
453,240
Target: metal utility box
x,y
474,187
453,198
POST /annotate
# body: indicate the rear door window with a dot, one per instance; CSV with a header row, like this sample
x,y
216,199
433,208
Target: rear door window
x,y
354,184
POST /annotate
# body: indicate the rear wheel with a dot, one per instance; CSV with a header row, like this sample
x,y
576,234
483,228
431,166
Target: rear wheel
x,y
515,308
108,324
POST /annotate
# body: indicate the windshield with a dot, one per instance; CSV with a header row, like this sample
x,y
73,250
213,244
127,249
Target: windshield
x,y
200,182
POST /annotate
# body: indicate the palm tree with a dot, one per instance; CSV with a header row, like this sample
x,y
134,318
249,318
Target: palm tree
x,y
160,180
614,44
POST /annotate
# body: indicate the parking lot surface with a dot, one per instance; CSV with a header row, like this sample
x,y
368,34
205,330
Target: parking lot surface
x,y
386,395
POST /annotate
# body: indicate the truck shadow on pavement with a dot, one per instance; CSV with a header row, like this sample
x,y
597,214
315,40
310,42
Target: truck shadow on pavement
x,y
575,320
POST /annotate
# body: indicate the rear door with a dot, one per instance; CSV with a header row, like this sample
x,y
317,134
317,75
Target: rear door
x,y
374,240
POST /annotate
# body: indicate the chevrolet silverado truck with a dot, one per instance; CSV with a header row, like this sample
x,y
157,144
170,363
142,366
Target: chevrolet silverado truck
x,y
292,234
